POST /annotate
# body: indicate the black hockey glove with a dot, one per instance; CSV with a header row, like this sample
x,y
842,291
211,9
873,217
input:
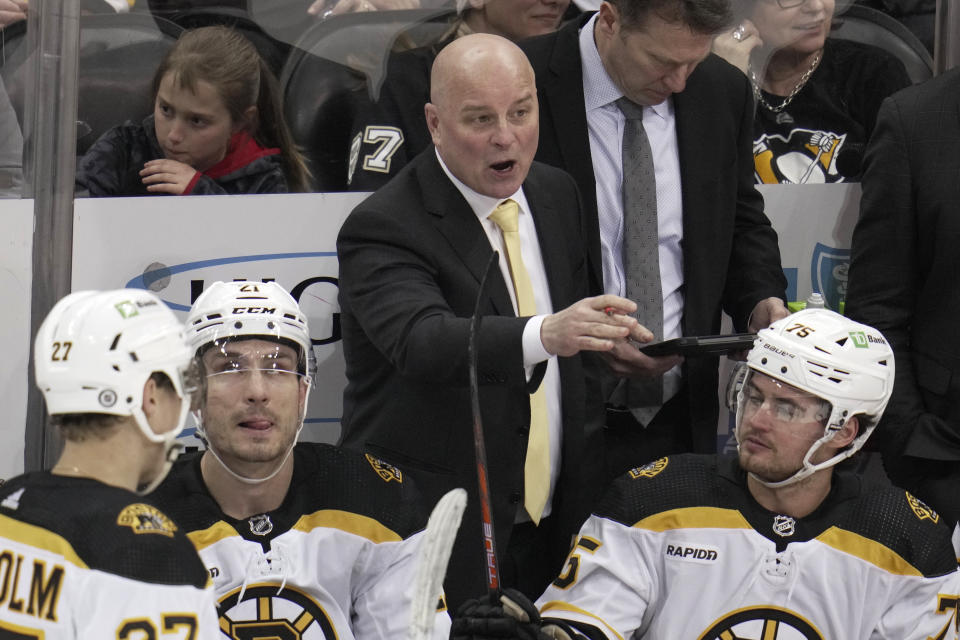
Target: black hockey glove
x,y
513,617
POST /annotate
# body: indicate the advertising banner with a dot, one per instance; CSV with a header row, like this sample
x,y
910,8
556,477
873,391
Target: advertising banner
x,y
16,249
177,247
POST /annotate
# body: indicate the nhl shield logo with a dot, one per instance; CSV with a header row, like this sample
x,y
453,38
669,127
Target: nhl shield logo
x,y
828,273
784,526
260,525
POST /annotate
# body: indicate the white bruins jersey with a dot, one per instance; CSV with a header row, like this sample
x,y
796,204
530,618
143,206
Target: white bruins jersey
x,y
956,541
81,559
679,549
336,561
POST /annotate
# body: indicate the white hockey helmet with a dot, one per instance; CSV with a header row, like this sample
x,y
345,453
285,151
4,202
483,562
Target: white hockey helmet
x,y
96,350
848,364
246,309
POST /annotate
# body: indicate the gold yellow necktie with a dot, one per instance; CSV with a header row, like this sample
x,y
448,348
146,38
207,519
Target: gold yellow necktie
x,y
536,469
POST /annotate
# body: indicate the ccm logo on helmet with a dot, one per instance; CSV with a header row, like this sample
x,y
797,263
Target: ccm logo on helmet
x,y
695,554
249,310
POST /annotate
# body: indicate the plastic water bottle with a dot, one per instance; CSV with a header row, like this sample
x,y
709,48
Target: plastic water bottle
x,y
815,301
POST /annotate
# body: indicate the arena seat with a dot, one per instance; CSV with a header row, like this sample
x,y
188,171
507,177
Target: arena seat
x,y
335,63
273,51
870,26
119,53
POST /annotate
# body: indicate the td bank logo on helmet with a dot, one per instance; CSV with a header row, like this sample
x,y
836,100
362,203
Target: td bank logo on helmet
x,y
310,277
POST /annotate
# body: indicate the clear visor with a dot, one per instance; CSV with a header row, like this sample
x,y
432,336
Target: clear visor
x,y
193,384
760,396
229,361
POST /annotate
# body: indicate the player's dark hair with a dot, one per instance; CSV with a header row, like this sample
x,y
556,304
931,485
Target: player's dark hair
x,y
78,427
702,16
228,61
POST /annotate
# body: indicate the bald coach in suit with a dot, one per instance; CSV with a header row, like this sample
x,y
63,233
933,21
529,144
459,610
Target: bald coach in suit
x,y
412,257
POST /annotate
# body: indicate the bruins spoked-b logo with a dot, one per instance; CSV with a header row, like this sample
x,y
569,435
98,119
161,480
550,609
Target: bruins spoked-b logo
x,y
762,623
269,613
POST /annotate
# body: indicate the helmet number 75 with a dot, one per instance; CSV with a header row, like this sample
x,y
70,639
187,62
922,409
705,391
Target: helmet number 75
x,y
802,330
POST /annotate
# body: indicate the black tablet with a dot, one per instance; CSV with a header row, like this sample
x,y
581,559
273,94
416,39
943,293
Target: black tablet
x,y
700,345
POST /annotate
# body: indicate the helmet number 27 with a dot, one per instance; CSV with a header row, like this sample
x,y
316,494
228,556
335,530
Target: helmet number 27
x,y
56,355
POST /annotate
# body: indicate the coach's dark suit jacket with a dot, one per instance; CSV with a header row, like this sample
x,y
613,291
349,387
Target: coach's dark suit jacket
x,y
905,264
412,256
731,259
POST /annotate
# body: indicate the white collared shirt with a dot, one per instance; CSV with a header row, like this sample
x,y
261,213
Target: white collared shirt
x,y
533,349
605,124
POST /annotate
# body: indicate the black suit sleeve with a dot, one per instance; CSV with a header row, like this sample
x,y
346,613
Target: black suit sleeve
x,y
398,287
885,279
755,271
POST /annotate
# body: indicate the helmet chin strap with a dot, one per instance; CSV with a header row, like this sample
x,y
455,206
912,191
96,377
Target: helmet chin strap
x,y
244,479
253,481
807,469
173,452
171,448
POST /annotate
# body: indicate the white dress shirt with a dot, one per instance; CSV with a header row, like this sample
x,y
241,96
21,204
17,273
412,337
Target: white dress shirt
x,y
605,124
533,349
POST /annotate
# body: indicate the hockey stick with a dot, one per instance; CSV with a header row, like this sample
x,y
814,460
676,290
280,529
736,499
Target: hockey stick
x,y
432,558
486,510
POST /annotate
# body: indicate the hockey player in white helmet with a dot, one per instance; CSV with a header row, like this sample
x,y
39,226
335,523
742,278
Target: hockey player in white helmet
x,y
770,543
81,554
304,536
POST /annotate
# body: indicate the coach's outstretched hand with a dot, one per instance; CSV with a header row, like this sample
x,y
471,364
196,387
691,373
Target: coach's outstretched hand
x,y
513,616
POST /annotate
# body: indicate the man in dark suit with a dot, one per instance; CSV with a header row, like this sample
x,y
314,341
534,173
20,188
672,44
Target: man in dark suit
x,y
903,279
412,259
717,250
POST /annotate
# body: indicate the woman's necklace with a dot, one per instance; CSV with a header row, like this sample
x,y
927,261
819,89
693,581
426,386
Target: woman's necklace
x,y
755,83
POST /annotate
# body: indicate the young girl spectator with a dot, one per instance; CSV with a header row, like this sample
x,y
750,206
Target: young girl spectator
x,y
217,128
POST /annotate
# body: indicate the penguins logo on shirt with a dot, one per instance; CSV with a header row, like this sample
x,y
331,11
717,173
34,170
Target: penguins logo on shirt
x,y
649,470
143,518
762,623
277,614
921,510
804,157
